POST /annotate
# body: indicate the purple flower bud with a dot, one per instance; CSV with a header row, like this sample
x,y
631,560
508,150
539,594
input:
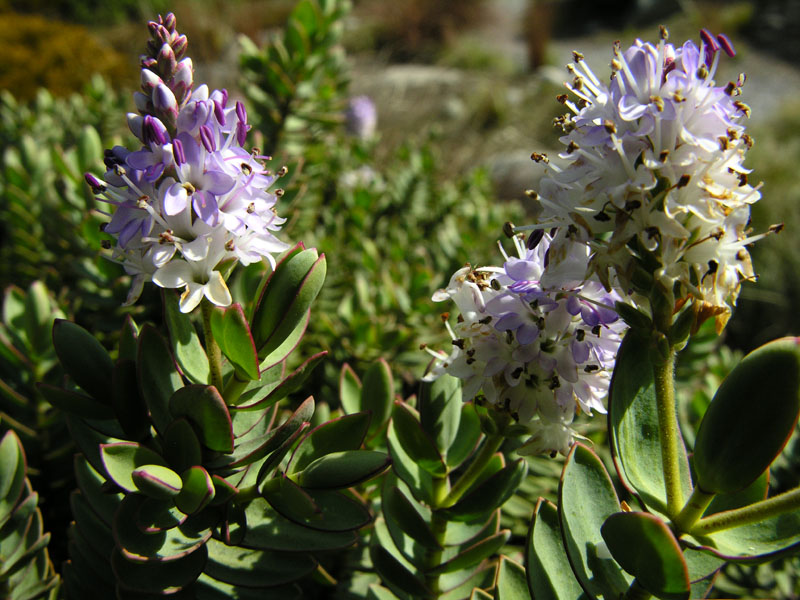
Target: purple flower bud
x,y
135,124
164,100
184,73
142,102
219,113
160,33
148,62
224,101
241,112
726,44
155,131
94,183
241,133
708,40
166,61
150,80
207,137
170,22
177,152
179,45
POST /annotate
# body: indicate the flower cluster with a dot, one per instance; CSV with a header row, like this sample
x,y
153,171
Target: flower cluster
x,y
654,173
191,199
540,353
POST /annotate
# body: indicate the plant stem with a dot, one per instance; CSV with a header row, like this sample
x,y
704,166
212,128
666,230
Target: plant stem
x,y
433,558
754,513
490,446
212,348
636,592
693,510
668,431
233,389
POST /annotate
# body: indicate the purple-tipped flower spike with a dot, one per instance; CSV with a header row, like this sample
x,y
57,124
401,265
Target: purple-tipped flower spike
x,y
192,197
726,44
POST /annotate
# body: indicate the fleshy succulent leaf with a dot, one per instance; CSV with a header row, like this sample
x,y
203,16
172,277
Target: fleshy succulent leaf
x,y
122,458
416,443
338,435
232,333
646,548
186,345
489,494
204,407
83,358
158,376
377,394
349,390
736,443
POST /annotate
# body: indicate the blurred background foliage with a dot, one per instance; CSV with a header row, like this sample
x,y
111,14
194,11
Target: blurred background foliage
x,y
464,92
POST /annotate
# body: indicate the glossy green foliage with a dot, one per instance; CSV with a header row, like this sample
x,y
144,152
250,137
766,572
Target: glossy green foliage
x,y
585,477
736,442
25,570
295,84
647,549
426,539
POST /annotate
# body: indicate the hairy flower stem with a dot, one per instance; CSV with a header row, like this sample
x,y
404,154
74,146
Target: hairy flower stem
x,y
694,509
212,348
754,513
668,431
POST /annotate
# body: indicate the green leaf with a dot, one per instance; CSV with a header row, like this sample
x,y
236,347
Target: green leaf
x,y
268,530
75,402
286,298
416,443
545,557
419,481
181,446
490,494
511,581
288,345
12,474
736,442
343,469
154,515
338,435
232,334
467,436
167,545
84,359
472,555
377,394
39,317
186,345
204,407
158,376
289,499
155,577
645,547
157,481
755,492
128,340
197,490
256,568
399,510
290,384
584,477
336,512
633,426
349,390
122,458
129,407
394,573
440,409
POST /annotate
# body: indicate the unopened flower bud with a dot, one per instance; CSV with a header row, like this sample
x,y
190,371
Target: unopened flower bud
x,y
155,131
179,45
164,102
94,183
184,73
177,152
169,22
135,124
142,102
150,80
166,61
